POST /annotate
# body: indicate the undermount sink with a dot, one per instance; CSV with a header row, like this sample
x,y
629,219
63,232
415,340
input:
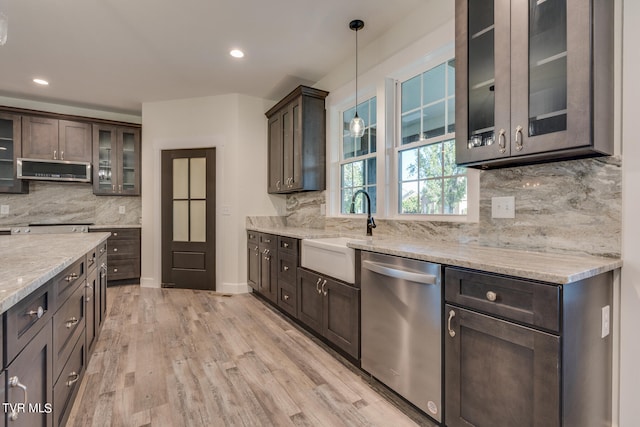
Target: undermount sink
x,y
330,256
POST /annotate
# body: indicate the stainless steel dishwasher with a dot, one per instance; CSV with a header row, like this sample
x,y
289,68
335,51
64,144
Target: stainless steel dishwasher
x,y
401,327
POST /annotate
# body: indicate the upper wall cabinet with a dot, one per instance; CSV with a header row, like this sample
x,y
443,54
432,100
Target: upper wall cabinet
x,y
534,80
297,142
116,160
52,139
10,150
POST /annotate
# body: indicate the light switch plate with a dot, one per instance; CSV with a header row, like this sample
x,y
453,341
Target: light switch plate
x,y
606,321
503,207
4,209
121,210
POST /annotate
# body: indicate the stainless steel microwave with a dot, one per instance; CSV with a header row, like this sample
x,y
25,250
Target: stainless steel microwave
x,y
54,170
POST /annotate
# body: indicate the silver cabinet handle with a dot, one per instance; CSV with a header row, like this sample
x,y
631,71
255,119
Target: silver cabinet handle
x,y
491,296
71,322
386,270
15,382
115,270
324,291
285,268
55,154
115,233
39,312
452,333
72,378
62,155
71,277
113,187
285,245
115,249
502,141
286,297
318,285
519,139
278,185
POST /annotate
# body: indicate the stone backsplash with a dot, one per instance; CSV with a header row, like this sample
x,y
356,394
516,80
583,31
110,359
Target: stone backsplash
x,y
565,207
68,202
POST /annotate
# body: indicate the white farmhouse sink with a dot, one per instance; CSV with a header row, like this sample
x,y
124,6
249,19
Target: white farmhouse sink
x,y
330,256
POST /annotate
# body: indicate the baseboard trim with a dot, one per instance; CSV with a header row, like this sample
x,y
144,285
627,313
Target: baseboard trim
x,y
233,288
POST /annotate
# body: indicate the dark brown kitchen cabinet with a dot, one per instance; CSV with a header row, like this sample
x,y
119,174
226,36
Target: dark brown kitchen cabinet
x,y
52,139
296,142
534,81
253,260
288,257
331,309
92,308
123,254
30,382
116,160
10,150
268,284
519,352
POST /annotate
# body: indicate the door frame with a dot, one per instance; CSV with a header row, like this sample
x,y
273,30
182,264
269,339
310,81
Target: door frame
x,y
167,156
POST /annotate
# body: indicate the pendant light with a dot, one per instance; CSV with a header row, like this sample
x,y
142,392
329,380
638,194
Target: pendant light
x,y
356,126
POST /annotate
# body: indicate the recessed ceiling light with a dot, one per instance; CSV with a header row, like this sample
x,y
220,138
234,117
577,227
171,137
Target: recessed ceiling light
x,y
237,53
41,82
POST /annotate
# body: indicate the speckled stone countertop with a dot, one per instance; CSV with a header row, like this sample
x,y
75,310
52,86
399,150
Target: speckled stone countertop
x,y
109,227
546,267
29,261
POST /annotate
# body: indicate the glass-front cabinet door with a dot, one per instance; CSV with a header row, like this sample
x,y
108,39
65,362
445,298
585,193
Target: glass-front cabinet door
x,y
10,150
538,79
116,160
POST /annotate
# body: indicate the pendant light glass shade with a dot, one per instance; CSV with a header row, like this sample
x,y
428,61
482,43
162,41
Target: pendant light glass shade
x,y
356,126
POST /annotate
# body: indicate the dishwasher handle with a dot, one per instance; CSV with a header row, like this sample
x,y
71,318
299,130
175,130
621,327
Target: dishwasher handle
x,y
386,270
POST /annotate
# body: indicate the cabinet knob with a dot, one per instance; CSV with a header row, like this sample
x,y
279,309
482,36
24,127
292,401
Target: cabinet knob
x,y
491,296
115,270
286,297
115,249
72,378
285,268
285,245
39,312
71,322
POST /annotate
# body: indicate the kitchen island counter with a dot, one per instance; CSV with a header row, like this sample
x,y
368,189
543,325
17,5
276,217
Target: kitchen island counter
x,y
28,262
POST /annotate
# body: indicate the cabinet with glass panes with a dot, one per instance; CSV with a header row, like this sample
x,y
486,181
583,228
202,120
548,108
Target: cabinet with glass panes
x,y
534,81
10,150
116,160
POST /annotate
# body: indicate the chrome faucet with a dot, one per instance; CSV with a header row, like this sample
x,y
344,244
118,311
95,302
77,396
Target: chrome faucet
x,y
370,222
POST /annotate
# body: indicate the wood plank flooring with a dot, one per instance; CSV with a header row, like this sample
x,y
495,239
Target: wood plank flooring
x,y
172,357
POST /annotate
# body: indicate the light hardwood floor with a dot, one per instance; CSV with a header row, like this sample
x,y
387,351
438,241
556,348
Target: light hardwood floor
x,y
172,357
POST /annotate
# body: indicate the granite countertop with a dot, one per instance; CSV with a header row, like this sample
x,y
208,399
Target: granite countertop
x,y
109,227
29,261
546,267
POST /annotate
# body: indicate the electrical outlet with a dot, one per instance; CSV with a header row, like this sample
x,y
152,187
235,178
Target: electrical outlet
x,y
606,320
503,207
225,210
121,210
4,209
323,209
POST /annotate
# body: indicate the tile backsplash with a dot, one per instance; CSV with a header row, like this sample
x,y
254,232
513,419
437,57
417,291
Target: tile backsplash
x,y
566,207
68,202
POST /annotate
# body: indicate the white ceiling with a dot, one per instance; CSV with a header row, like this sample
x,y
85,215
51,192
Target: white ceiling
x,y
116,54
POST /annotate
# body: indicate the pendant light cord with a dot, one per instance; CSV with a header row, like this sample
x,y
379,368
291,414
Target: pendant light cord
x,y
356,72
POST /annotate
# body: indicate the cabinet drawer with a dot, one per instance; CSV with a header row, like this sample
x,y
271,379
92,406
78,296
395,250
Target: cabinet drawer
x,y
287,298
287,268
520,300
288,245
68,324
66,282
124,233
268,240
253,237
124,247
67,385
25,319
123,268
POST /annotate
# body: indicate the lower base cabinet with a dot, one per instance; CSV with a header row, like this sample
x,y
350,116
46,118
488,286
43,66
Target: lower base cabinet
x,y
524,353
330,308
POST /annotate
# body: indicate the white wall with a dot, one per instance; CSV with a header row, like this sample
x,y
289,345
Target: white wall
x,y
630,289
236,126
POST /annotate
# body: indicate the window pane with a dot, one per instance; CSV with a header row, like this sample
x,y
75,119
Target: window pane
x,y
359,204
408,164
348,146
434,84
455,195
411,94
346,119
181,221
346,199
451,77
347,175
371,171
363,112
451,115
373,111
411,127
198,178
409,202
449,155
373,141
374,198
198,216
430,161
358,173
180,178
431,196
433,118
362,146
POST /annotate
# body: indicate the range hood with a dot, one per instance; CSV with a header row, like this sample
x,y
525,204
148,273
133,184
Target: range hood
x,y
54,170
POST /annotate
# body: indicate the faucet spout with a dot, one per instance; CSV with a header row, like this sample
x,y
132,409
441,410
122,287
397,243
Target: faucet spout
x,y
371,224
